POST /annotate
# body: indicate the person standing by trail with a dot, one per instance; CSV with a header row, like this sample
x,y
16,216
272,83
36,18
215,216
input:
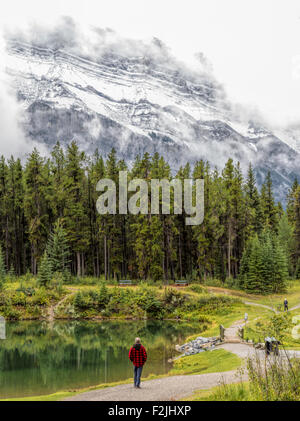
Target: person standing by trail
x,y
286,305
138,356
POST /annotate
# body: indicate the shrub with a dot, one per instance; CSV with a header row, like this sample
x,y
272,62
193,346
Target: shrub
x,y
103,296
83,300
4,299
18,299
28,291
41,298
196,288
12,313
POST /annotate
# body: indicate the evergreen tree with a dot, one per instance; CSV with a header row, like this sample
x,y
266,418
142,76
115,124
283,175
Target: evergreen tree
x,y
286,239
254,217
75,216
296,245
45,271
58,249
35,205
270,212
253,269
264,265
291,196
2,269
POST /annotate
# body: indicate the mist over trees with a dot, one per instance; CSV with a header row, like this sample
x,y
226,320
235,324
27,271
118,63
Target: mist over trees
x,y
49,223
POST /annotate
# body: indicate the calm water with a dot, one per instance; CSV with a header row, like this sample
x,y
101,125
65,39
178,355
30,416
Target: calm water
x,y
37,358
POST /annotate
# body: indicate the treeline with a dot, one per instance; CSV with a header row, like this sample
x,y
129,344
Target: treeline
x,y
61,191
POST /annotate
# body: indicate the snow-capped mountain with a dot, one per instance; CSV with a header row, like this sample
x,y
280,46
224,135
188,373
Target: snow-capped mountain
x,y
137,100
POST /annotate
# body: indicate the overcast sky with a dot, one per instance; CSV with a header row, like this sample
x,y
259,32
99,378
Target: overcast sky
x,y
253,45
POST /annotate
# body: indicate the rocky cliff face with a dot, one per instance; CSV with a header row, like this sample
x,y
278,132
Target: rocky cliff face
x,y
138,102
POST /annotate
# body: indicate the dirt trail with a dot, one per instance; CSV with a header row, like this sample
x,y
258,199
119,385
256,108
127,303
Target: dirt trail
x,y
165,389
250,303
51,309
243,295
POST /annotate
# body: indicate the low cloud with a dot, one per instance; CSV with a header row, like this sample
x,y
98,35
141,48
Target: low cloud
x,y
13,140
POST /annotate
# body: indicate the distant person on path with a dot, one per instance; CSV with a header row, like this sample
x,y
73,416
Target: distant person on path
x,y
286,305
138,356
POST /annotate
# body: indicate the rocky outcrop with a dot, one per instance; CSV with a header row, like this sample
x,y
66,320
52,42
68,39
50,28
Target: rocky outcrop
x,y
199,344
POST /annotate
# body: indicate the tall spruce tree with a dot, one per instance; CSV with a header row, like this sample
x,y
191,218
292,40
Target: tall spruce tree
x,y
75,215
45,271
270,212
2,270
35,205
58,251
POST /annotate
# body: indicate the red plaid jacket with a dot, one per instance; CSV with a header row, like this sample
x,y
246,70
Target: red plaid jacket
x,y
138,355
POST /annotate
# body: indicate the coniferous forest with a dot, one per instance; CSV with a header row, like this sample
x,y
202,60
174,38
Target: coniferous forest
x,y
49,223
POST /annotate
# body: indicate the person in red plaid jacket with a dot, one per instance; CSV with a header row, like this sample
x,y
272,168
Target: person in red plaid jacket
x,y
138,356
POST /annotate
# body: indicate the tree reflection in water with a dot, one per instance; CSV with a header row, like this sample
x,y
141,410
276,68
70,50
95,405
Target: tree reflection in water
x,y
38,358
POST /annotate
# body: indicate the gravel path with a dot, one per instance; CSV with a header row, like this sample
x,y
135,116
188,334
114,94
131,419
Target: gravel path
x,y
165,389
249,303
244,351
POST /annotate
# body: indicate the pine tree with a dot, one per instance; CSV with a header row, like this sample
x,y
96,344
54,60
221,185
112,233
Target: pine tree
x,y
280,268
286,239
45,271
4,210
2,270
291,201
264,265
270,212
253,276
35,205
75,216
17,223
58,249
296,237
254,217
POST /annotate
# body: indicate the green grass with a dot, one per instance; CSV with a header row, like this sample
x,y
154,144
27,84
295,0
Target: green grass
x,y
230,392
206,362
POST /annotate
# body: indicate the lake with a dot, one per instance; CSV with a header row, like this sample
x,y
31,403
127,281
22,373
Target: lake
x,y
38,358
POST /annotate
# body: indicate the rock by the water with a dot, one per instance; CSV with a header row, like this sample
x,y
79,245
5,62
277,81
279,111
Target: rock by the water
x,y
197,345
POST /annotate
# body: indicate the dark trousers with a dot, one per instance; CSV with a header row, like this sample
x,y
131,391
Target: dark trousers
x,y
137,375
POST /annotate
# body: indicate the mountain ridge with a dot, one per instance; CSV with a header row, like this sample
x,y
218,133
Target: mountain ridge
x,y
138,104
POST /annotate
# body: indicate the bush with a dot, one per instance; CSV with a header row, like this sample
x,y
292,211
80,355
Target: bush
x,y
83,300
41,298
196,288
4,299
28,291
12,313
213,282
18,299
173,298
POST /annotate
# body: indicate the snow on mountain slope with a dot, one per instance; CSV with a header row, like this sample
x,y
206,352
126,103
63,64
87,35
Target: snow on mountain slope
x,y
139,102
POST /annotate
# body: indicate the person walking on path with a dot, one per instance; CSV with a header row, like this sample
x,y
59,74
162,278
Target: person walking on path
x,y
286,305
138,356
